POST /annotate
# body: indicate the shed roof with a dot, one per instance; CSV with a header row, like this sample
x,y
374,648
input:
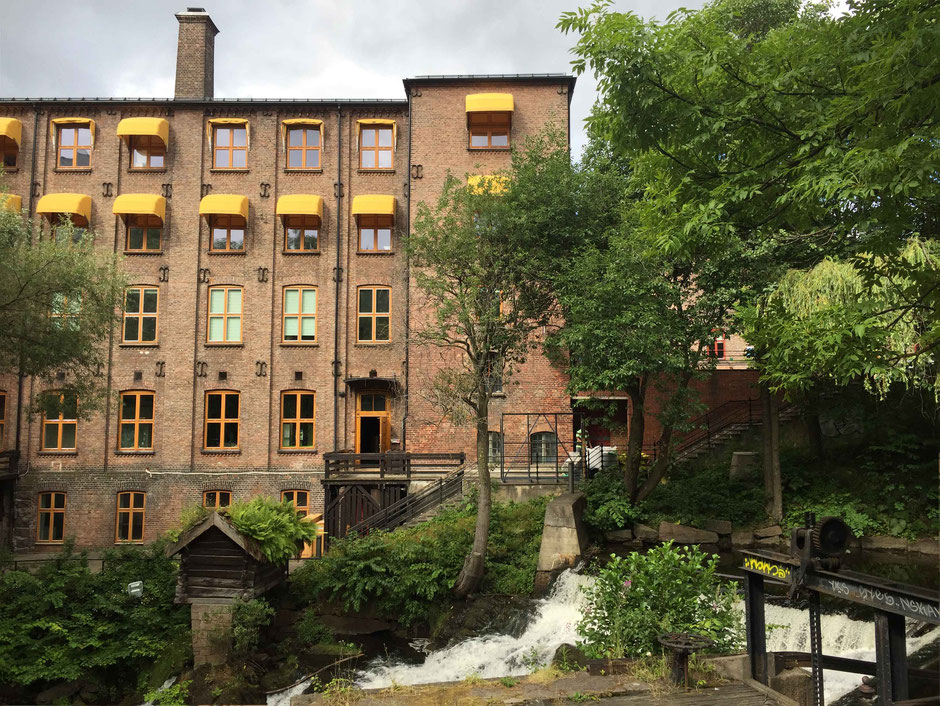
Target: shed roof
x,y
246,544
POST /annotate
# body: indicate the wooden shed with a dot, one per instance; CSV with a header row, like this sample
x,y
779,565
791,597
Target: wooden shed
x,y
219,564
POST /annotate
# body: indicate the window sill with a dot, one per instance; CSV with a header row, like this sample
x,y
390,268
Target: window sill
x,y
146,170
225,344
143,252
302,170
498,396
222,170
128,452
300,344
42,543
309,452
122,344
369,253
72,170
10,170
300,252
119,542
58,453
489,149
363,170
221,452
226,252
371,344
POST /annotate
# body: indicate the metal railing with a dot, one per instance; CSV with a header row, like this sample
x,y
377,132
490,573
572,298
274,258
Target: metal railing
x,y
413,505
391,463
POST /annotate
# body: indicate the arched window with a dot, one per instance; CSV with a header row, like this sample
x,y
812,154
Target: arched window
x,y
543,447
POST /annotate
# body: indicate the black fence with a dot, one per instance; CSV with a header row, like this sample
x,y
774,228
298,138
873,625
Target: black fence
x,y
391,463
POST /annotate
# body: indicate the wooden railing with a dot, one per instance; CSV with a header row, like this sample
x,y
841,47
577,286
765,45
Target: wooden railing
x,y
391,463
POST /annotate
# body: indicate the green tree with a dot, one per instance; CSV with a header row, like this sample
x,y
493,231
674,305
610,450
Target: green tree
x,y
59,299
480,305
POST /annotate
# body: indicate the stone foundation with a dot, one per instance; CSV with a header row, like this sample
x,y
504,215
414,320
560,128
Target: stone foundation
x,y
212,632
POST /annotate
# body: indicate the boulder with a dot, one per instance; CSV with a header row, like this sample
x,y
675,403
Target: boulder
x,y
884,543
769,541
719,526
62,691
742,538
645,533
680,534
354,624
619,536
925,546
796,684
772,531
569,658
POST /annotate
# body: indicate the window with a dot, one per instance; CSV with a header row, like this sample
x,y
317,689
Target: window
x,y
374,310
147,152
300,498
375,233
297,420
69,227
230,147
716,348
144,234
371,402
228,234
303,147
50,527
9,151
543,447
225,315
495,447
375,147
301,233
222,409
74,144
494,373
489,130
3,419
136,421
131,507
140,315
65,310
300,314
216,499
59,423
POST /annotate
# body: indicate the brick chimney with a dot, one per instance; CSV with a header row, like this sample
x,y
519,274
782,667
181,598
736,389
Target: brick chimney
x,y
195,54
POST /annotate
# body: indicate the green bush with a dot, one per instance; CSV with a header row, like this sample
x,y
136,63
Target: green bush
x,y
608,504
409,572
311,631
191,516
638,597
65,623
175,695
248,617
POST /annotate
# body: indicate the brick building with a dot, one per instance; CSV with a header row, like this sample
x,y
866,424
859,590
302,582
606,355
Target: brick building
x,y
267,318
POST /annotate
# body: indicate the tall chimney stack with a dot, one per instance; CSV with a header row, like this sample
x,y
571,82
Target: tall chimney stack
x,y
195,54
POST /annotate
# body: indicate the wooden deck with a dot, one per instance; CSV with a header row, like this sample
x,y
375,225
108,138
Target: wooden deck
x,y
735,694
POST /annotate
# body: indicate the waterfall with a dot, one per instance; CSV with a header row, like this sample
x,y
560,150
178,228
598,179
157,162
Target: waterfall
x,y
552,624
788,631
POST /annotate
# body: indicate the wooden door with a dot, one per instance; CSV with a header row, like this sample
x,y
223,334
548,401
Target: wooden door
x,y
374,405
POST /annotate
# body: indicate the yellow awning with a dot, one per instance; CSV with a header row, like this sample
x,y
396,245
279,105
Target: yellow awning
x,y
224,205
290,122
12,128
213,122
378,122
150,127
11,202
76,204
55,123
373,205
489,103
140,205
494,184
300,205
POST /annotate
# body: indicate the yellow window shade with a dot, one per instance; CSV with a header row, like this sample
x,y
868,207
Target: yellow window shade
x,y
377,122
219,122
150,127
11,202
487,182
77,204
56,123
291,122
373,205
489,103
224,205
12,128
140,205
300,205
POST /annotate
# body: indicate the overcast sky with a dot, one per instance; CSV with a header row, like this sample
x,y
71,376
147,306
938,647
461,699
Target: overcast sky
x,y
289,48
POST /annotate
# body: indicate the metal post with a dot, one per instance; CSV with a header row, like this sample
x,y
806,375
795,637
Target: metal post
x,y
891,657
755,626
815,648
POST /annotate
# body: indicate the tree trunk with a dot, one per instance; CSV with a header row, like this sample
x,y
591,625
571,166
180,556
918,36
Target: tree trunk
x,y
659,467
631,471
472,572
770,436
813,428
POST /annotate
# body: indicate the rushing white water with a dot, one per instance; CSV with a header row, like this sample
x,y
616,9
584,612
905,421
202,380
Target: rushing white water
x,y
552,624
841,637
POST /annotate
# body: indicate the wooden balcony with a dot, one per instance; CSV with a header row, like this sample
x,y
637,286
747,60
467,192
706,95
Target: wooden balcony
x,y
392,464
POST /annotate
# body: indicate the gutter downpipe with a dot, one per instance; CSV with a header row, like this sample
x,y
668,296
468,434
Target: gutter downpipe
x,y
337,272
404,419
